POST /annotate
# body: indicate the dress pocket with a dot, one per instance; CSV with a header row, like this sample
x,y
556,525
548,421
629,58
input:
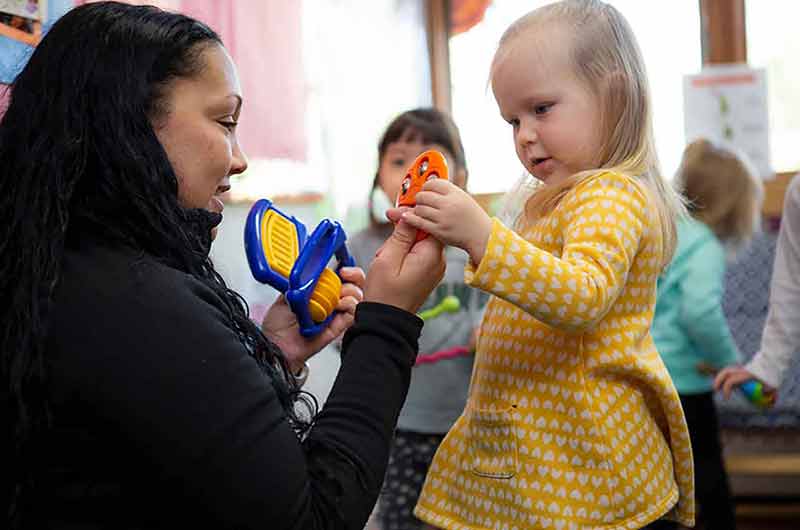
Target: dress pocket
x,y
493,443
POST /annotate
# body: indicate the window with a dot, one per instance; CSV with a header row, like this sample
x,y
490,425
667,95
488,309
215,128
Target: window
x,y
668,55
772,44
363,63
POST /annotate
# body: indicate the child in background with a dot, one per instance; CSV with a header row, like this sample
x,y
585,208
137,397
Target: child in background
x,y
572,420
438,389
689,327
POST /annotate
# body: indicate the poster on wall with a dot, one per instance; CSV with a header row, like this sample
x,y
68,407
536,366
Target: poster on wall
x,y
728,104
21,20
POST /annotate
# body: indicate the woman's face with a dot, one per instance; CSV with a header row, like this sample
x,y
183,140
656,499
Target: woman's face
x,y
198,131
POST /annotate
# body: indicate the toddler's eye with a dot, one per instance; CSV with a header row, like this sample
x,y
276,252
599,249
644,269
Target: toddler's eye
x,y
542,109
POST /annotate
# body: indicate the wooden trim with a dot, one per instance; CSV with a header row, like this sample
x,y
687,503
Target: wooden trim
x,y
758,464
768,511
438,29
304,198
724,36
774,191
724,40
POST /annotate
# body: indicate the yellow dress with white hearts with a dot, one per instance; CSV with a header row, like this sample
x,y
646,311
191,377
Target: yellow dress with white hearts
x,y
572,419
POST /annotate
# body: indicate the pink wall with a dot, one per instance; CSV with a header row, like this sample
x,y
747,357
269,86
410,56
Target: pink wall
x,y
265,41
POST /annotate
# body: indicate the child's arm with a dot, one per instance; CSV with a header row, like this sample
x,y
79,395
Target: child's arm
x,y
601,223
701,304
781,338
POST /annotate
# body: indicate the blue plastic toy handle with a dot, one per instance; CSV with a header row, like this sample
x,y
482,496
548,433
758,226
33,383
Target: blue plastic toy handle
x,y
315,251
327,240
254,248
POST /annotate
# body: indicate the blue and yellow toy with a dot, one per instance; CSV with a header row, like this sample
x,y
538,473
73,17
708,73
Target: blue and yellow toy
x,y
280,254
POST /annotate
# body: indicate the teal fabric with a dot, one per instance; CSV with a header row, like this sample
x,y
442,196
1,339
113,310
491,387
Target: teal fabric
x,y
689,326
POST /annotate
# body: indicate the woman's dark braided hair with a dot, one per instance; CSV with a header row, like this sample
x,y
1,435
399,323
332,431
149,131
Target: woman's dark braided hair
x,y
78,154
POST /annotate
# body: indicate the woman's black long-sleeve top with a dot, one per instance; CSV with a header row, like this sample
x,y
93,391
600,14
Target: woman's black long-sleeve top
x,y
160,418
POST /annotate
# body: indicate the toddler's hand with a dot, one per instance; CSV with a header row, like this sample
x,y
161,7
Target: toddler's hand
x,y
450,215
734,376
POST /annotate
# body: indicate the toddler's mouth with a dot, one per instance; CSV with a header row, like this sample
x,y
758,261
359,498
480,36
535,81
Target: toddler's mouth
x,y
536,161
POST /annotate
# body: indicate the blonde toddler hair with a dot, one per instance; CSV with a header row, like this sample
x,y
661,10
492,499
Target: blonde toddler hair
x,y
605,55
722,189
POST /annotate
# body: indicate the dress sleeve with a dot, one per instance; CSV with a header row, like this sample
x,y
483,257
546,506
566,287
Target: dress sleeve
x,y
601,223
781,338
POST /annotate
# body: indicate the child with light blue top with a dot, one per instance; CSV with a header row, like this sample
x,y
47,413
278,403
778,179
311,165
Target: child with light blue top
x,y
689,327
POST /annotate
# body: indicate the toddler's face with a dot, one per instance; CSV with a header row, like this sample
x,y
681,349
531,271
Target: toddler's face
x,y
399,156
554,116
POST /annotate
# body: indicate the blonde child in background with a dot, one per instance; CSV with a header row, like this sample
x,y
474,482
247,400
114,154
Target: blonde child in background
x,y
572,420
689,327
438,389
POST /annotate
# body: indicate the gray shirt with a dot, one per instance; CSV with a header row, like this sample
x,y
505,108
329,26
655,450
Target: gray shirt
x,y
438,390
781,338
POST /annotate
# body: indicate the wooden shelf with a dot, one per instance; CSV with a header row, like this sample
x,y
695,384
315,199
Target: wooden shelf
x,y
767,464
774,190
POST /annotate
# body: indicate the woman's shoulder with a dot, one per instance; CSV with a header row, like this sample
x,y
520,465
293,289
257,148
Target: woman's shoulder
x,y
111,281
113,304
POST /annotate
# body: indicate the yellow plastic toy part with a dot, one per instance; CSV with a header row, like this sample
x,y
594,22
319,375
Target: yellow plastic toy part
x,y
281,249
325,296
279,237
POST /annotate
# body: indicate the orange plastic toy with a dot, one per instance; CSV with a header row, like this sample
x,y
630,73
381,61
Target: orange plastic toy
x,y
429,165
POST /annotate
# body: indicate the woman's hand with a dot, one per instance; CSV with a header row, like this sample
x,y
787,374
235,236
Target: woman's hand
x,y
450,215
734,376
281,327
403,273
